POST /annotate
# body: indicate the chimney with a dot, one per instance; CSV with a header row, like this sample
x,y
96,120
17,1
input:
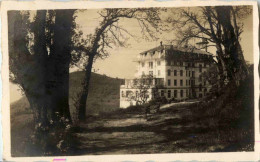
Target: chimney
x,y
161,43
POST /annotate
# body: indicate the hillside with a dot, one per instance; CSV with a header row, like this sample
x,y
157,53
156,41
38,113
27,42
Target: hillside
x,y
103,97
103,92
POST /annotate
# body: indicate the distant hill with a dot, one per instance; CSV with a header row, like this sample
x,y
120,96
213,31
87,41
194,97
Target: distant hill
x,y
103,94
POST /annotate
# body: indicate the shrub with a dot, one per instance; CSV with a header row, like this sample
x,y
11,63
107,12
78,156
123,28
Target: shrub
x,y
54,138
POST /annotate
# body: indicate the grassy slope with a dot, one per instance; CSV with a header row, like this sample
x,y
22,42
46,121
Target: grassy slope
x,y
103,92
103,96
224,124
21,125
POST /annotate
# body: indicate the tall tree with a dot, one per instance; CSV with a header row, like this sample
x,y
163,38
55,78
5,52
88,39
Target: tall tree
x,y
39,59
108,33
220,26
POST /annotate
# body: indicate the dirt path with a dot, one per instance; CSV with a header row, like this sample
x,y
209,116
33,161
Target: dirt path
x,y
170,130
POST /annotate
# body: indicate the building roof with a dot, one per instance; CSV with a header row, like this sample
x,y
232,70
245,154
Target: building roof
x,y
175,48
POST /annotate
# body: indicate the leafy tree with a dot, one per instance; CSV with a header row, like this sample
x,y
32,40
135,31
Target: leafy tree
x,y
39,57
213,77
143,85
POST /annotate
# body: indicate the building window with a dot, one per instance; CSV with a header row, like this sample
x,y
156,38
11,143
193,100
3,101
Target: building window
x,y
150,65
187,82
186,73
181,73
162,93
192,82
181,93
181,63
189,73
129,93
175,82
169,82
123,94
169,72
200,68
204,83
159,72
175,94
181,82
193,73
142,64
158,63
200,87
143,73
151,73
200,95
200,78
169,93
187,93
175,72
205,64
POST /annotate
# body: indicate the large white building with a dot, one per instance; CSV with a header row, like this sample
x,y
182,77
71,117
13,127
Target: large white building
x,y
169,71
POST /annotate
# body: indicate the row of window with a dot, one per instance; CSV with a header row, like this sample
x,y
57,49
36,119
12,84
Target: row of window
x,y
169,93
131,94
188,73
188,82
153,52
181,64
150,64
192,64
181,93
175,72
175,93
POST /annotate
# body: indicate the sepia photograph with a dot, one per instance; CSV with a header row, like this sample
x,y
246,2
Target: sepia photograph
x,y
139,80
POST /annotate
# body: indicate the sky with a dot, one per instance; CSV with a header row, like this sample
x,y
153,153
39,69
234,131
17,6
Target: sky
x,y
120,61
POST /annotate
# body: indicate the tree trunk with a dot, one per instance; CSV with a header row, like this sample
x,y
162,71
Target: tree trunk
x,y
84,94
41,54
232,48
59,61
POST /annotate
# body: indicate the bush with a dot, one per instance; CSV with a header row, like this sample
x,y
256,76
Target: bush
x,y
54,138
232,108
161,100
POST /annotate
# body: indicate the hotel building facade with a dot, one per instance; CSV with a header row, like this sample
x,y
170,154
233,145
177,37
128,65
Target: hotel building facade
x,y
173,73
